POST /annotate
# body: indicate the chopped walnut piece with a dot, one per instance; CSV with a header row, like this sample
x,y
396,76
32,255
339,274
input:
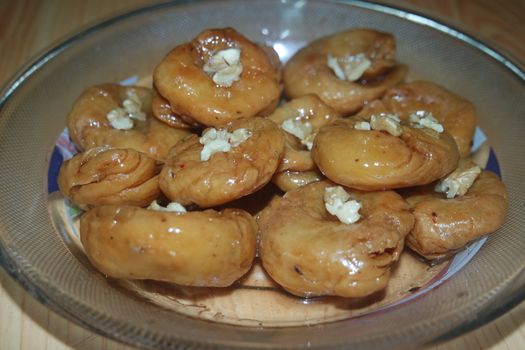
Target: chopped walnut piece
x,y
338,203
221,140
224,67
424,119
302,130
386,122
172,207
349,68
122,118
362,126
458,182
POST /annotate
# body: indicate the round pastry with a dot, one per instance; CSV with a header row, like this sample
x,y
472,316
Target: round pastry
x,y
474,203
208,248
420,98
110,176
311,252
120,117
218,77
346,70
377,150
224,164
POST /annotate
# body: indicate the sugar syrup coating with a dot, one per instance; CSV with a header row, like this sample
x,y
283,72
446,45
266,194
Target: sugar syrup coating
x,y
89,126
181,79
308,71
309,252
205,248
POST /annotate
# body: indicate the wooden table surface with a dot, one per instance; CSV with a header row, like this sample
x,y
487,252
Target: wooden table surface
x,y
28,26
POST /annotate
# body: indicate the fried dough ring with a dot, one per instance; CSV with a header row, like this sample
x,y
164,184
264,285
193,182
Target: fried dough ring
x,y
207,248
290,180
308,108
89,127
226,176
309,252
373,160
101,176
180,79
308,72
446,225
456,114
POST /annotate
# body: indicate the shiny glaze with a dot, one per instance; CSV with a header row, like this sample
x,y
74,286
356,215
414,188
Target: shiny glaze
x,y
456,114
375,160
446,225
305,108
88,125
206,248
308,72
309,252
226,176
290,180
101,176
191,92
161,110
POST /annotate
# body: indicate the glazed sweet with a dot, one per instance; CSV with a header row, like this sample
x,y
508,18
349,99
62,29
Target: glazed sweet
x,y
225,176
444,225
104,175
310,252
456,114
206,248
394,155
345,70
218,77
89,122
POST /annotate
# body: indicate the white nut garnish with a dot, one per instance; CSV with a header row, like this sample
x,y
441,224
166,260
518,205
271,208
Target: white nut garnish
x,y
386,122
362,126
349,68
119,120
122,118
303,131
458,182
133,107
424,119
224,67
221,140
172,207
338,203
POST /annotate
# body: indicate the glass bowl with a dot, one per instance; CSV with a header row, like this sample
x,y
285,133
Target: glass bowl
x,y
39,247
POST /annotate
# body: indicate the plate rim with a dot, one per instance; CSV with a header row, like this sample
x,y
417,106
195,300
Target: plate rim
x,y
40,59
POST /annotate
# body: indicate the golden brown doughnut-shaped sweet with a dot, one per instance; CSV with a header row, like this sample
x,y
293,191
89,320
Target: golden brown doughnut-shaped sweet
x,y
161,110
290,180
308,70
207,248
89,126
457,114
309,252
373,160
226,176
182,80
102,175
310,110
444,225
